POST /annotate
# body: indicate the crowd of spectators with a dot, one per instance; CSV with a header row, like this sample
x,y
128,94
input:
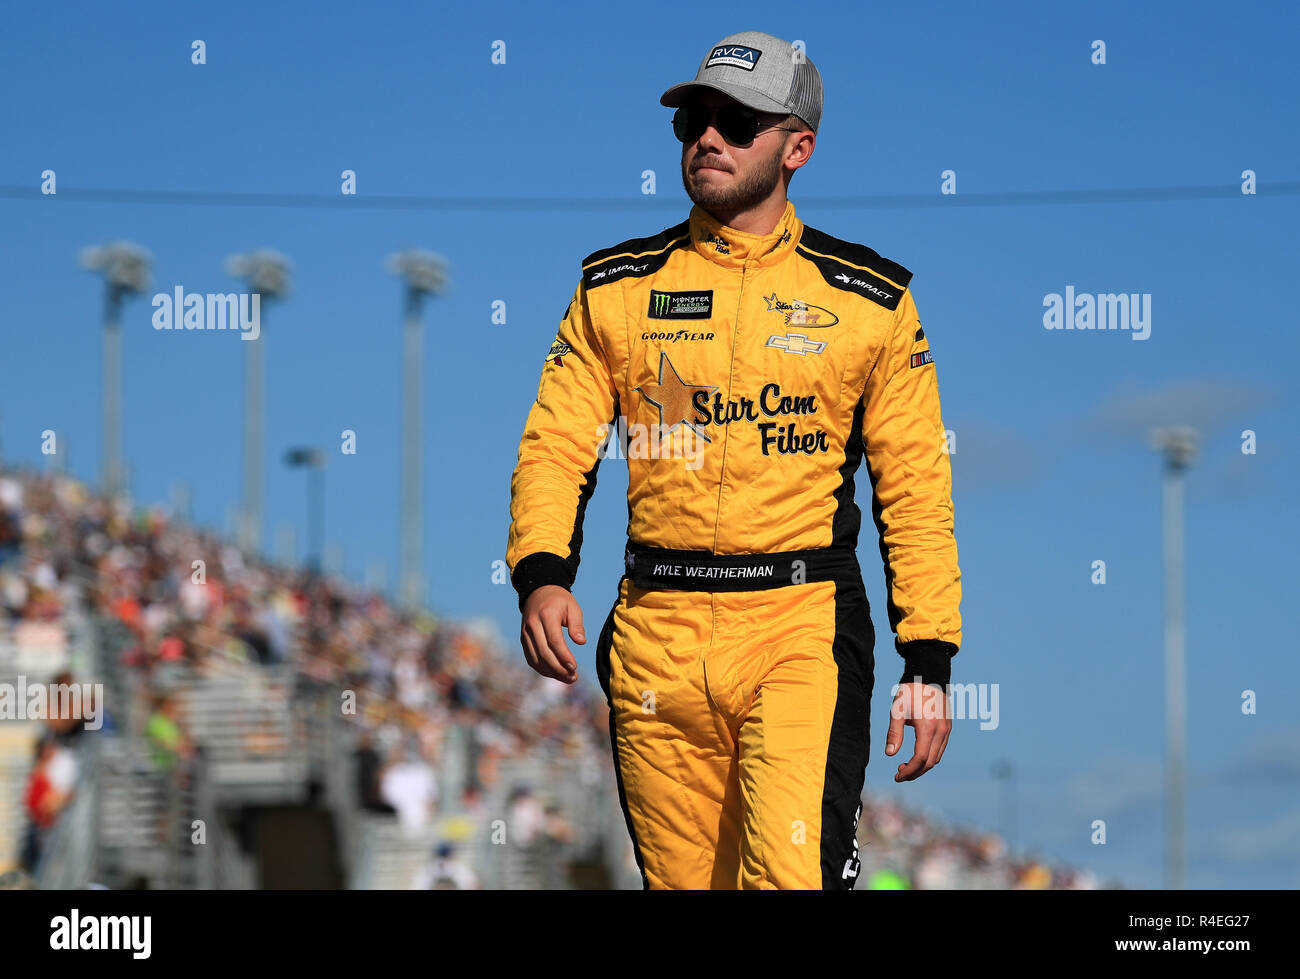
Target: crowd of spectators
x,y
904,849
192,603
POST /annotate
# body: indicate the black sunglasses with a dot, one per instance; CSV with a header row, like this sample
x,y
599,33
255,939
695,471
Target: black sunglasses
x,y
735,123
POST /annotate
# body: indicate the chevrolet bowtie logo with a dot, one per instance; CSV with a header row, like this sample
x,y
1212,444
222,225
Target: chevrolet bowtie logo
x,y
796,343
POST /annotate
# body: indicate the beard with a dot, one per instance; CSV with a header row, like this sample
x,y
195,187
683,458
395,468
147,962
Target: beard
x,y
741,195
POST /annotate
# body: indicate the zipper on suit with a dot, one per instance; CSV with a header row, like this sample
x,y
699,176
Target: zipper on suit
x,y
731,376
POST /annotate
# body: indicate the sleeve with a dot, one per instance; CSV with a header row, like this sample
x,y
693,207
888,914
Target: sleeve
x,y
911,480
559,453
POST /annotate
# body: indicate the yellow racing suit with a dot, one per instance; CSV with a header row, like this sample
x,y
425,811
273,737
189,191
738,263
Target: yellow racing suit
x,y
744,377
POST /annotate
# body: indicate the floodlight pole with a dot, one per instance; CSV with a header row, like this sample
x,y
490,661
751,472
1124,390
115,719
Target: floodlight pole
x,y
1178,445
125,267
424,274
267,275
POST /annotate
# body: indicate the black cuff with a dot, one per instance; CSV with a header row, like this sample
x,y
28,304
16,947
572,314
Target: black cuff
x,y
930,659
537,569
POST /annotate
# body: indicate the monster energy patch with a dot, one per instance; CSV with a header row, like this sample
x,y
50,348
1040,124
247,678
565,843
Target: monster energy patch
x,y
689,305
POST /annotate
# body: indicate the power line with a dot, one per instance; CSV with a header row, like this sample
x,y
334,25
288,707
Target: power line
x,y
389,202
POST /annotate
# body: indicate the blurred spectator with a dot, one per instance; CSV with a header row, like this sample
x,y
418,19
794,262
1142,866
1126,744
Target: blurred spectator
x,y
409,787
10,519
473,802
171,649
1034,877
445,872
66,730
246,628
556,828
62,768
43,801
369,769
887,880
166,736
526,816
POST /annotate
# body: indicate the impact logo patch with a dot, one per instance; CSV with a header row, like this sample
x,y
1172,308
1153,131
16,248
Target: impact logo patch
x,y
924,357
863,285
688,305
625,267
735,55
558,349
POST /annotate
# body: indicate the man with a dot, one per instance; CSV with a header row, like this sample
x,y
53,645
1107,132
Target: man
x,y
763,358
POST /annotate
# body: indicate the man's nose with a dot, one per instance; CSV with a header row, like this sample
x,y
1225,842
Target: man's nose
x,y
710,139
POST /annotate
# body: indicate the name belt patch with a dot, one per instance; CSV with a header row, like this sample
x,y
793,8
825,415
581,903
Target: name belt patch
x,y
653,567
696,304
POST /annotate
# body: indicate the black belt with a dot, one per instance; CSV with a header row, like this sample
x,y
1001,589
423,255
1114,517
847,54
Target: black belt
x,y
657,567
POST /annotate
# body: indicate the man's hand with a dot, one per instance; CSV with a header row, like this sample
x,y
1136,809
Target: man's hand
x,y
545,610
925,708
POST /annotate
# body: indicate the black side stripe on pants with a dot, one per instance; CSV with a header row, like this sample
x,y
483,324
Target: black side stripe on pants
x,y
849,744
604,645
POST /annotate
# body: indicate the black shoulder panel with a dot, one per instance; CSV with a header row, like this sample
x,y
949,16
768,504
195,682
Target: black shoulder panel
x,y
855,268
634,257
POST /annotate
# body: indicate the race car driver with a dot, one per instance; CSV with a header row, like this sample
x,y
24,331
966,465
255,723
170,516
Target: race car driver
x,y
751,362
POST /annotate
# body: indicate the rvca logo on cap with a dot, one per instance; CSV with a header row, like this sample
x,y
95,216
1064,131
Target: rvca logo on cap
x,y
736,55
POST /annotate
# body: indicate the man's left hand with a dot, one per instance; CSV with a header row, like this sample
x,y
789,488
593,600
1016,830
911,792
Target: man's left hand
x,y
924,708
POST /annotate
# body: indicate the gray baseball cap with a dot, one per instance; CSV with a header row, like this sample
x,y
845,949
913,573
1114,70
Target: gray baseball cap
x,y
760,71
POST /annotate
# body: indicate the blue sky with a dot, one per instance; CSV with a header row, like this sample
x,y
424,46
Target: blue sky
x,y
1051,470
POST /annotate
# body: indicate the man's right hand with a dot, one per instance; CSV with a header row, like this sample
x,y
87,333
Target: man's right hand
x,y
546,610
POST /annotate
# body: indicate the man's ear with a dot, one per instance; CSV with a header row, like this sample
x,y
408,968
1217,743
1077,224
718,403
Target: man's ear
x,y
803,137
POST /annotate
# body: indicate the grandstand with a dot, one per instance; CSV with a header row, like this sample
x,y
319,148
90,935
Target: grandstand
x,y
263,727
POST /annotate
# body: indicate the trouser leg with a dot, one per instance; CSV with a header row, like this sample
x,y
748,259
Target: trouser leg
x,y
804,739
675,757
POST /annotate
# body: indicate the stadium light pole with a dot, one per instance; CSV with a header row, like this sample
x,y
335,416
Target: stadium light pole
x,y
376,577
181,501
1178,444
267,275
1005,773
424,274
125,267
333,565
313,460
286,547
